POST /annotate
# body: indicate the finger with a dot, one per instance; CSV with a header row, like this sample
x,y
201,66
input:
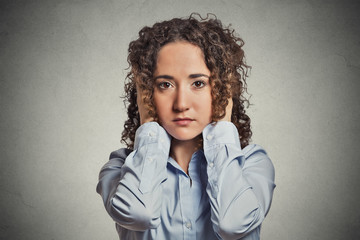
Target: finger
x,y
229,108
143,111
228,111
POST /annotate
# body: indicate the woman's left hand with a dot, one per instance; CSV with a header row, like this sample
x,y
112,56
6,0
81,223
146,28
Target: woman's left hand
x,y
228,111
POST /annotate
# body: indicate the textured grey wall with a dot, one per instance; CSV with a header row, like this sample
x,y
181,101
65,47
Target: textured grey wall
x,y
62,69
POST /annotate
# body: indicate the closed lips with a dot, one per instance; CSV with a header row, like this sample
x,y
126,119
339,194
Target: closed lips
x,y
183,119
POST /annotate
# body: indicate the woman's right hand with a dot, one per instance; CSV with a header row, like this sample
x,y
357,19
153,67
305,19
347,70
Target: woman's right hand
x,y
143,111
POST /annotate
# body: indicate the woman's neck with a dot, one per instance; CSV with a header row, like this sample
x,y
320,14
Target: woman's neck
x,y
182,151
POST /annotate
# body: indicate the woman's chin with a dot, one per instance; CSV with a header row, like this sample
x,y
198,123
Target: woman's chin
x,y
186,137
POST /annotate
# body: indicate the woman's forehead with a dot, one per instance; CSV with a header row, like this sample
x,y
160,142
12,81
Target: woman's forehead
x,y
181,58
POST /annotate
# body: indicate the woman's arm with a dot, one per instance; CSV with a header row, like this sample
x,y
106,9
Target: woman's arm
x,y
240,182
131,188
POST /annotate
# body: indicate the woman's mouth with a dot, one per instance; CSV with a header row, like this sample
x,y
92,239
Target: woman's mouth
x,y
183,121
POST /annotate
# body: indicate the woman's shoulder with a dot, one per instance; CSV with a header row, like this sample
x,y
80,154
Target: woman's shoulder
x,y
254,151
116,159
121,153
256,159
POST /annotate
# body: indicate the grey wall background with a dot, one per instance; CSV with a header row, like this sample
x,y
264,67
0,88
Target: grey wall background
x,y
62,70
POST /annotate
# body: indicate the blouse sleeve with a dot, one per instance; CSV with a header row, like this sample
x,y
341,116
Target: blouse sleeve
x,y
131,188
240,181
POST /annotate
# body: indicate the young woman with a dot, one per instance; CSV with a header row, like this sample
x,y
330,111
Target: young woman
x,y
188,171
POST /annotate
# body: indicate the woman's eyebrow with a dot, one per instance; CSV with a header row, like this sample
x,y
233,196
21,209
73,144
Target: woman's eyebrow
x,y
164,76
197,75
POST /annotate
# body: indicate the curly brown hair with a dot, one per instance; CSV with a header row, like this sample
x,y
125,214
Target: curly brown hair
x,y
223,55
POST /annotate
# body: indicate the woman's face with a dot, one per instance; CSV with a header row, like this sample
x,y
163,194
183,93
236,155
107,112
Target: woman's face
x,y
182,92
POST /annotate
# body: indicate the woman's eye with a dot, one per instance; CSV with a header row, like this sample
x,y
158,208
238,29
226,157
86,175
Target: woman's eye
x,y
199,84
164,85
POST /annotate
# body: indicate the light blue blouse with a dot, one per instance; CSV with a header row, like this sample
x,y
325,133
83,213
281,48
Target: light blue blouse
x,y
226,195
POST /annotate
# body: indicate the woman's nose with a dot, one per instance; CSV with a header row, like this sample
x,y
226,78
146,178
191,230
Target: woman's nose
x,y
182,100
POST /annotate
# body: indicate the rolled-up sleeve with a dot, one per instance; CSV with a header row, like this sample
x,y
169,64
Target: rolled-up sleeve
x,y
240,181
131,185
